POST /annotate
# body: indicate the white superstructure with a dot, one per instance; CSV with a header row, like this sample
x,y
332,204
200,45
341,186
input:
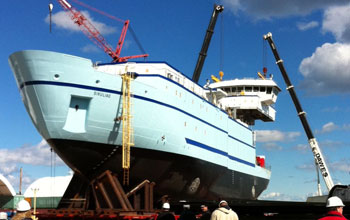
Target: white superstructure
x,y
245,99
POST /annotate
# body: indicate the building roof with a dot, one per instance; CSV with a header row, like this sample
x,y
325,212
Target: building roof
x,y
48,186
6,188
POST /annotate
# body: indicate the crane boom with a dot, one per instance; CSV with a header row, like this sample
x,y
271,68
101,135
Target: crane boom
x,y
302,115
206,42
91,32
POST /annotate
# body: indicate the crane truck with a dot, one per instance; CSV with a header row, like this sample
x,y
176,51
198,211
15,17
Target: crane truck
x,y
341,191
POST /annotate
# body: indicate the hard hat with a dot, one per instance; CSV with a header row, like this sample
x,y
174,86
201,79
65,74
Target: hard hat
x,y
3,215
334,201
23,206
222,201
166,205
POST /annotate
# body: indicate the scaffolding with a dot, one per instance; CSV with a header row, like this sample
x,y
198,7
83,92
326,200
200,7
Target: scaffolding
x,y
128,134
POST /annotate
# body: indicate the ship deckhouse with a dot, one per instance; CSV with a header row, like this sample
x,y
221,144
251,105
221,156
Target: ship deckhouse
x,y
245,99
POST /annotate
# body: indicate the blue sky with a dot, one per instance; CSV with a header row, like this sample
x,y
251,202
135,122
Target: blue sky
x,y
313,39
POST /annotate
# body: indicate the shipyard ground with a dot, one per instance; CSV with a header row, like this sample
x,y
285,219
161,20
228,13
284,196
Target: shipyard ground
x,y
252,210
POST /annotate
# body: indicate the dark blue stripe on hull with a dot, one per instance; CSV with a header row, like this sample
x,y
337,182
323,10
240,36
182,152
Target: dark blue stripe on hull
x,y
79,86
223,153
174,174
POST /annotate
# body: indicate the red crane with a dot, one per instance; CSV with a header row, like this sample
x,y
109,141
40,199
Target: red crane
x,y
91,32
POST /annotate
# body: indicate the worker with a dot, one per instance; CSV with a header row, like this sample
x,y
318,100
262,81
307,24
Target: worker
x,y
334,209
224,212
165,214
187,214
205,213
3,216
23,211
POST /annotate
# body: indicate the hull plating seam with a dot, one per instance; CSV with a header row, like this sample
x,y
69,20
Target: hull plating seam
x,y
211,149
119,93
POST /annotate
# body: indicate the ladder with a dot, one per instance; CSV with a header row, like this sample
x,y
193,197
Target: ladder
x,y
128,134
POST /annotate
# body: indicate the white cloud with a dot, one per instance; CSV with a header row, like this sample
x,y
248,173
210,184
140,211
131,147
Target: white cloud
x,y
346,127
270,195
272,147
303,148
306,26
39,154
8,169
90,48
332,109
277,8
331,144
327,128
275,135
327,71
12,159
277,196
14,181
342,166
62,20
337,21
308,167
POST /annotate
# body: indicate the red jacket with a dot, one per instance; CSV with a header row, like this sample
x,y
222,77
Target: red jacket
x,y
333,215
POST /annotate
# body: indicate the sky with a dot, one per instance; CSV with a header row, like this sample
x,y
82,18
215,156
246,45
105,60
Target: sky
x,y
312,37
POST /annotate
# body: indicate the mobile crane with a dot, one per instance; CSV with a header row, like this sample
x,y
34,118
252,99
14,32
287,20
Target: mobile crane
x,y
302,115
202,55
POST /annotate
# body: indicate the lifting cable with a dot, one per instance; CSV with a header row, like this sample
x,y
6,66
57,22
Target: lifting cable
x,y
98,11
264,56
136,40
222,43
113,18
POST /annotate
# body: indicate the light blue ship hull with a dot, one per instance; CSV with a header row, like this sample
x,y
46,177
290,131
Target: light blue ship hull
x,y
188,146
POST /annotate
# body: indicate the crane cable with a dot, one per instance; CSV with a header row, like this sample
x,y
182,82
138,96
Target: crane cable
x,y
136,40
264,57
222,42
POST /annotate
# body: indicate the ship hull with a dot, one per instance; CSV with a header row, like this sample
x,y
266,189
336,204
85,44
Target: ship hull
x,y
178,176
188,146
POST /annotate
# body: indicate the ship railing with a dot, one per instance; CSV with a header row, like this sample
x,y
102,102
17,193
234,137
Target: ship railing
x,y
185,82
268,167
